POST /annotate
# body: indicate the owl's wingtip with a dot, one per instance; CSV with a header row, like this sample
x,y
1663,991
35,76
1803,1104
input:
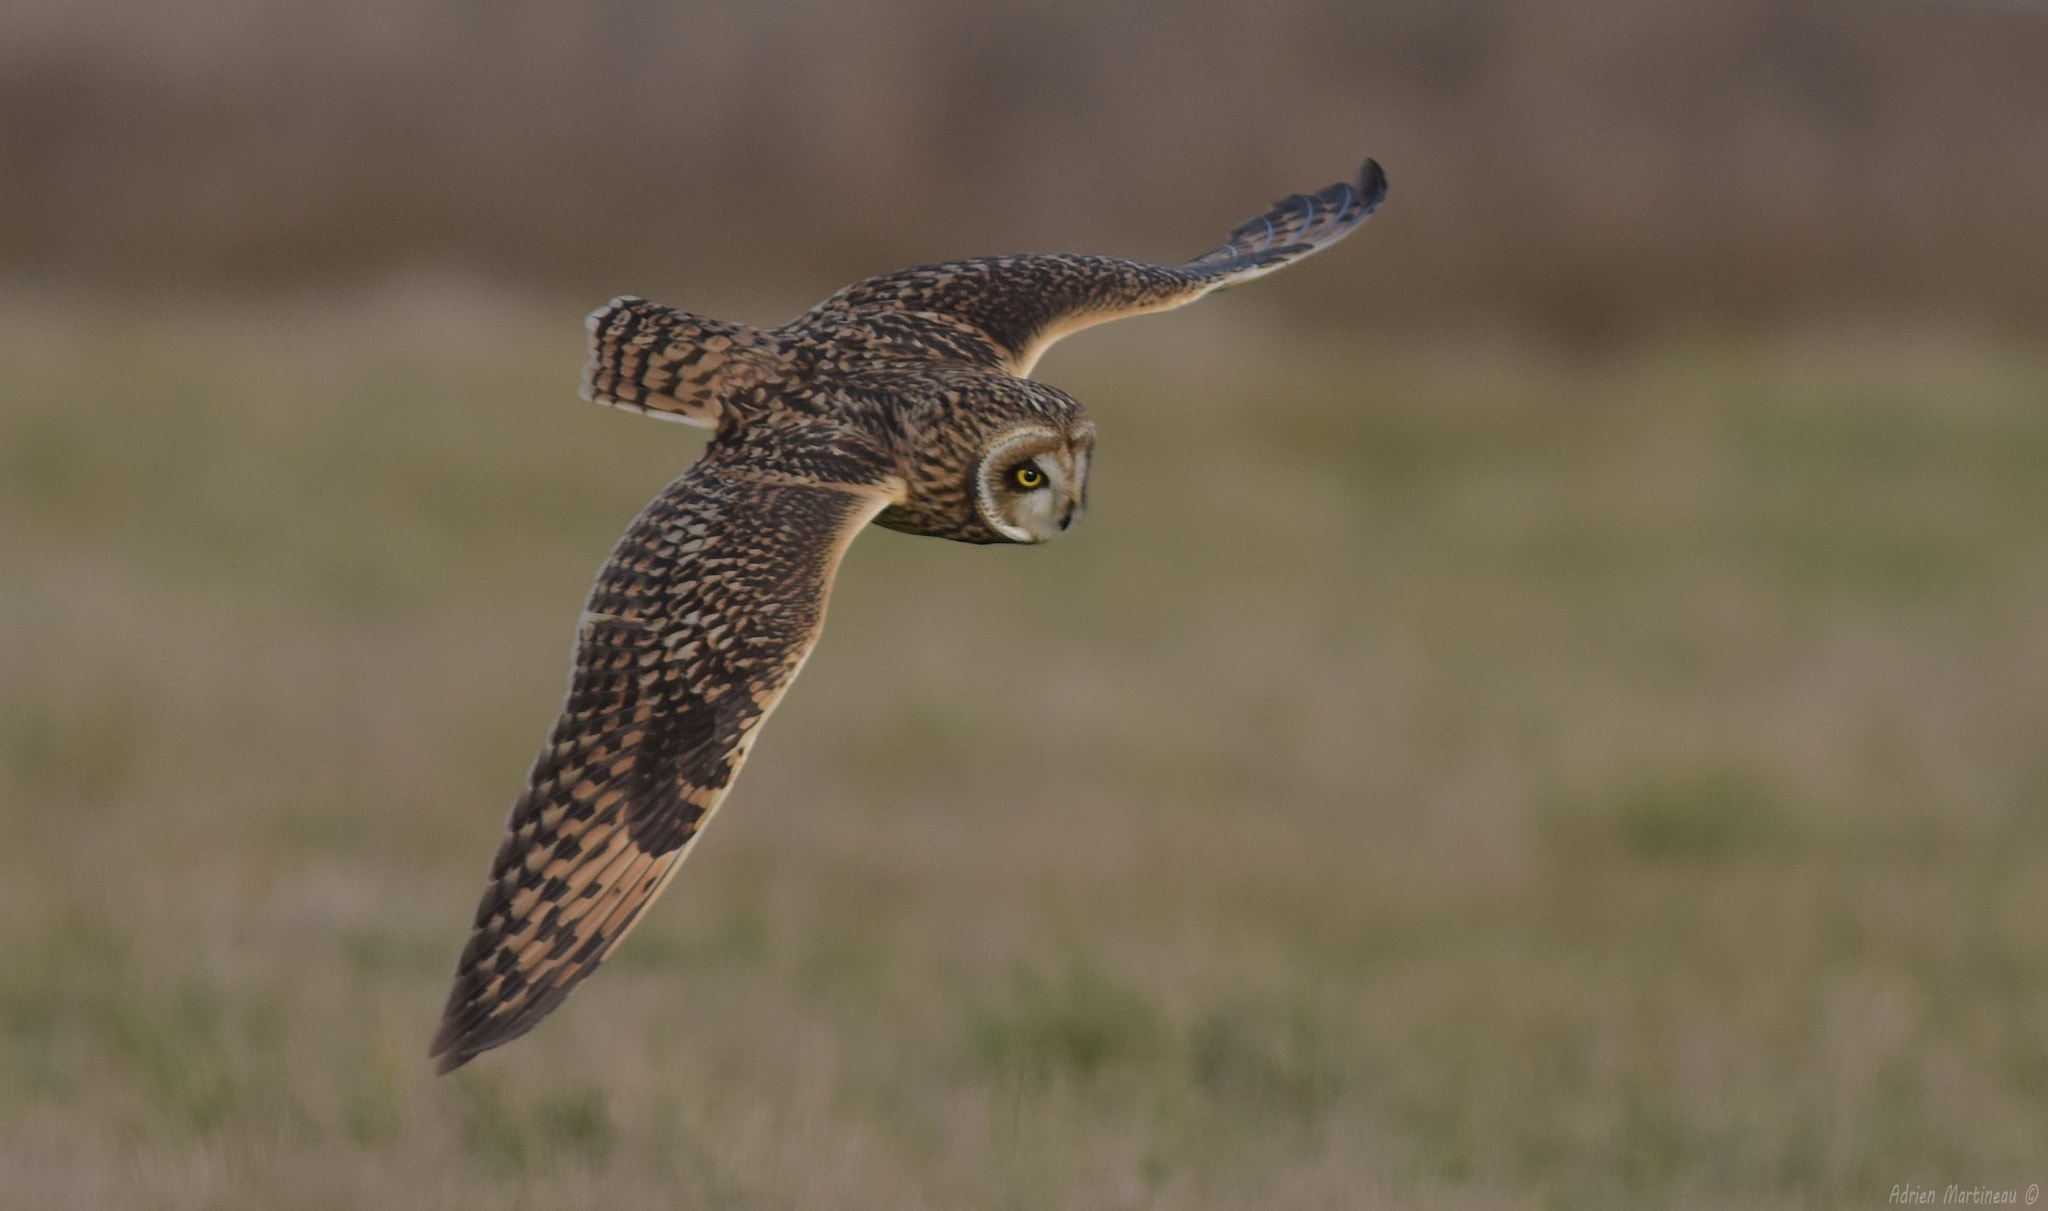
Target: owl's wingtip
x,y
446,1051
1372,184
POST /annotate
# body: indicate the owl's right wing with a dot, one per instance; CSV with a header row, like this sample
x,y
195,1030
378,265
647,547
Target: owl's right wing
x,y
1002,312
700,619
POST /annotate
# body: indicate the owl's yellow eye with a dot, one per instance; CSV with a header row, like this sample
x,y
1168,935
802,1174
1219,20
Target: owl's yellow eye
x,y
1027,477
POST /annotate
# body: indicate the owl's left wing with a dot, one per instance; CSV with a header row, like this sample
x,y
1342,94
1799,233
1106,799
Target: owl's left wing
x,y
700,619
1003,312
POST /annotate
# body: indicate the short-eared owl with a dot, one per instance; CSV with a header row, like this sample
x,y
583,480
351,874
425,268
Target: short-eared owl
x,y
902,400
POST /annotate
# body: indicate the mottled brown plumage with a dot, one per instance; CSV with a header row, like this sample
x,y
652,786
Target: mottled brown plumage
x,y
900,400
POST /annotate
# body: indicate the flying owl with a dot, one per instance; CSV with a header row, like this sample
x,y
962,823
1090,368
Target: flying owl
x,y
902,400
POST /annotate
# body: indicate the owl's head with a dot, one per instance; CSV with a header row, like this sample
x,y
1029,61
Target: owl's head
x,y
1032,483
991,458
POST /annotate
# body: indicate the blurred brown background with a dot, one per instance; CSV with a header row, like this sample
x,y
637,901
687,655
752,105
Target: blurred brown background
x,y
1548,708
1578,167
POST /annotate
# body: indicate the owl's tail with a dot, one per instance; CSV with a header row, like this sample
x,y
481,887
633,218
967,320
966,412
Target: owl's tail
x,y
645,357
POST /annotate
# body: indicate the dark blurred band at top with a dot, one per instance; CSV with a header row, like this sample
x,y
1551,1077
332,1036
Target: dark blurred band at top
x,y
1582,168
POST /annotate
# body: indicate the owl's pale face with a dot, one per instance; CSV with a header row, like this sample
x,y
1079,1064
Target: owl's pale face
x,y
1032,485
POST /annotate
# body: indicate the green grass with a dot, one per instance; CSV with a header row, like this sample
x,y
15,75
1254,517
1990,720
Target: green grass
x,y
1451,776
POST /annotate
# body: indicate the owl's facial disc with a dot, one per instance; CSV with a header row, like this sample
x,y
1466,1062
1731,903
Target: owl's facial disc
x,y
1033,483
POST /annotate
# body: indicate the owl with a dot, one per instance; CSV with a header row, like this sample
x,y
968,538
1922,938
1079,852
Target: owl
x,y
903,400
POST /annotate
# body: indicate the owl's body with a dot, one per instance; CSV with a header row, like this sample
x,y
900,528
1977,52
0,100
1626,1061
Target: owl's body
x,y
900,400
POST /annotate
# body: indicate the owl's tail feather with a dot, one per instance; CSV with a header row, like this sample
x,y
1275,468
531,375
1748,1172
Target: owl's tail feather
x,y
670,364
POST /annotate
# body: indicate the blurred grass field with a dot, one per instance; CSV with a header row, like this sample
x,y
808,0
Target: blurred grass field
x,y
1459,775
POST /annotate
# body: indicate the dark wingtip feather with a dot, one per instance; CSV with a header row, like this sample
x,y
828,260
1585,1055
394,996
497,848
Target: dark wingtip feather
x,y
462,1035
465,1036
446,1051
1372,185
